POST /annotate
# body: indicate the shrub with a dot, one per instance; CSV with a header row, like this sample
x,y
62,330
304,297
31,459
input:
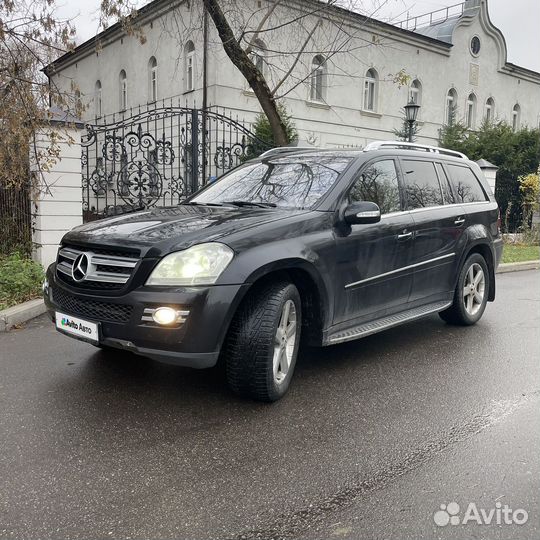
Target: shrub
x,y
529,187
264,139
515,153
20,279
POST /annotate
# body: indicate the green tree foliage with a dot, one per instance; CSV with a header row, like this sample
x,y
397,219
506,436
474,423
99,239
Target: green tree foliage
x,y
515,153
264,137
453,134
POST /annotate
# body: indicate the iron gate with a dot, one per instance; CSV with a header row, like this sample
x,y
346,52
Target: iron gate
x,y
158,157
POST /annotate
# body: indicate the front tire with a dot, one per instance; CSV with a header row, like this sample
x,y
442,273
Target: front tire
x,y
261,346
471,294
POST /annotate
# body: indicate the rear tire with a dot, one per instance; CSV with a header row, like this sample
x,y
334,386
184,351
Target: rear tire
x,y
261,346
471,294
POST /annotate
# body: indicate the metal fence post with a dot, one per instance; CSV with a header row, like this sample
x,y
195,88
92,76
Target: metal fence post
x,y
194,150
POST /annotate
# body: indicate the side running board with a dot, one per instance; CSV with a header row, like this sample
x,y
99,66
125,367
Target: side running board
x,y
384,323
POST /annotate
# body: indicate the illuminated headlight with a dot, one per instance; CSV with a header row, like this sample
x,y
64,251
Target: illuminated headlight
x,y
165,315
198,265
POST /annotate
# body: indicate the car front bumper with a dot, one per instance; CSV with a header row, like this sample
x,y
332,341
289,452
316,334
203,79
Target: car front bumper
x,y
193,343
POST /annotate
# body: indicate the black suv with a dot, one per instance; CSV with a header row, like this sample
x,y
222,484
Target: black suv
x,y
323,245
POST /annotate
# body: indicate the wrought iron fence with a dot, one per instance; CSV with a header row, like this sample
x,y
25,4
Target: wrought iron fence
x,y
15,220
158,156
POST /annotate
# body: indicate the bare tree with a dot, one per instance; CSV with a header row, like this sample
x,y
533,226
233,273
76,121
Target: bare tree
x,y
30,36
272,43
297,32
240,58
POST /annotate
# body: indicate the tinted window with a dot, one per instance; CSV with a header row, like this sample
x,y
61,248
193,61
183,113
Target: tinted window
x,y
286,182
448,196
379,184
466,185
422,184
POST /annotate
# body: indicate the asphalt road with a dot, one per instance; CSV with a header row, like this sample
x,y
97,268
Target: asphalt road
x,y
373,437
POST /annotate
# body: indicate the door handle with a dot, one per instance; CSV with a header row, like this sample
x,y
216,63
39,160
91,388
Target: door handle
x,y
404,236
459,221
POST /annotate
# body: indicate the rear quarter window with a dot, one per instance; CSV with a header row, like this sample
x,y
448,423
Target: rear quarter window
x,y
466,186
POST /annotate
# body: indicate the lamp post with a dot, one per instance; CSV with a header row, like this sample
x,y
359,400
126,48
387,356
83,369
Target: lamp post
x,y
411,113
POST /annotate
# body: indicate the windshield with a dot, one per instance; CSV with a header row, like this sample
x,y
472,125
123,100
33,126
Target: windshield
x,y
288,182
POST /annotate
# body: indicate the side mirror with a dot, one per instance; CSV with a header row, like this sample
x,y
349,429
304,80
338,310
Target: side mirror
x,y
362,213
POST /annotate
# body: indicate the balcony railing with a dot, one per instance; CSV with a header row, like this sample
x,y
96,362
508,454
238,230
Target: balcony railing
x,y
434,17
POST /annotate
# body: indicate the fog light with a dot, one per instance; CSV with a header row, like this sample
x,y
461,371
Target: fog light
x,y
165,315
45,286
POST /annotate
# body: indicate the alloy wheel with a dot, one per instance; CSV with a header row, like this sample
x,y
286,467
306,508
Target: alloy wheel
x,y
474,289
284,341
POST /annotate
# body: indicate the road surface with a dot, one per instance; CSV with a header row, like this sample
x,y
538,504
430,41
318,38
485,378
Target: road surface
x,y
374,436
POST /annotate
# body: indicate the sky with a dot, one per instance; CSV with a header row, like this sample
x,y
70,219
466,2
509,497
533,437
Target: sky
x,y
517,19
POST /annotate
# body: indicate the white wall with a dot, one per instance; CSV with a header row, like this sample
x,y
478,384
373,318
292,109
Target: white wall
x,y
57,205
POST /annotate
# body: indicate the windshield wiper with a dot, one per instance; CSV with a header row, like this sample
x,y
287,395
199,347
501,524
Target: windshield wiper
x,y
196,203
251,203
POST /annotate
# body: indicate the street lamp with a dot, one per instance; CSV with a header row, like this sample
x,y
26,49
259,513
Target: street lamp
x,y
411,113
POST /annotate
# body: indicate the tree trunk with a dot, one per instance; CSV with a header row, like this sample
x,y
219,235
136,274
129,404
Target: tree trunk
x,y
252,75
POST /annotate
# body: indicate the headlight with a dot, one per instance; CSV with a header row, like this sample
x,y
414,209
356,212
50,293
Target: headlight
x,y
198,265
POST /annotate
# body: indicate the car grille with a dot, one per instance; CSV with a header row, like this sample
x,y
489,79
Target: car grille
x,y
93,309
105,269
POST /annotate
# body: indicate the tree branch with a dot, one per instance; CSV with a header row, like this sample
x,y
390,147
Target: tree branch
x,y
250,72
297,59
267,15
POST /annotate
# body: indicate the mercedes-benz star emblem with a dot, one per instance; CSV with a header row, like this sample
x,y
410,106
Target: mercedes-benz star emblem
x,y
80,267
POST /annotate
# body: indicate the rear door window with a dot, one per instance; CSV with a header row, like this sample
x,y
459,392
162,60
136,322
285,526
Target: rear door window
x,y
378,183
466,186
421,184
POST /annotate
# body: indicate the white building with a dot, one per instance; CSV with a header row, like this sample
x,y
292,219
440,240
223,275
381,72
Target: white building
x,y
349,98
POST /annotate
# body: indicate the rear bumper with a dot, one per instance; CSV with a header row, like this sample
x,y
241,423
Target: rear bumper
x,y
193,343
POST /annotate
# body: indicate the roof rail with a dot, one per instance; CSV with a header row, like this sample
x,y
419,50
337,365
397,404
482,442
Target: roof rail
x,y
376,145
285,150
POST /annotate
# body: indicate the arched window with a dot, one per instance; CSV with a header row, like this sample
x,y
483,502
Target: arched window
x,y
490,110
516,117
123,90
318,79
370,90
152,79
471,111
257,55
98,99
190,66
415,92
451,106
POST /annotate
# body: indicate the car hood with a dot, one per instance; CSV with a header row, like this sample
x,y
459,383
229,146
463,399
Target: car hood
x,y
163,230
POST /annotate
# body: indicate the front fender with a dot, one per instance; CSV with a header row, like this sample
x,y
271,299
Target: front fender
x,y
256,263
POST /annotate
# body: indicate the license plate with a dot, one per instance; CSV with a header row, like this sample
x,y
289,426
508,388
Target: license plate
x,y
77,327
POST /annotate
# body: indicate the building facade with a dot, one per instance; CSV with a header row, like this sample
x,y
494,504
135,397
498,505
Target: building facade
x,y
345,85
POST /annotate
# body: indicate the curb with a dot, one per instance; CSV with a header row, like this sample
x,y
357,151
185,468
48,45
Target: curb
x,y
517,267
21,313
